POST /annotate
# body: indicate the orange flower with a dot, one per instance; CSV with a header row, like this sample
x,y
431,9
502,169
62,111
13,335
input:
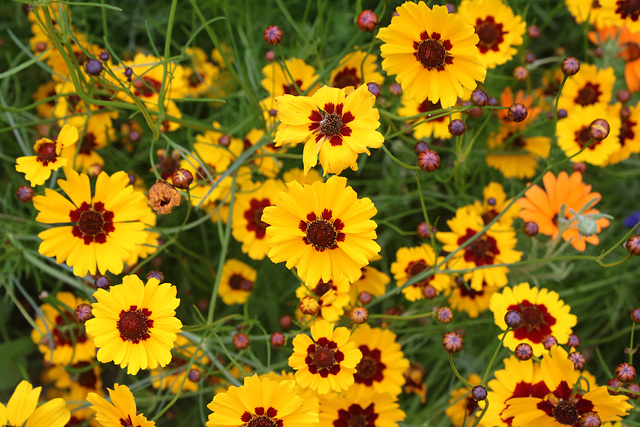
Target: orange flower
x,y
507,99
543,207
629,45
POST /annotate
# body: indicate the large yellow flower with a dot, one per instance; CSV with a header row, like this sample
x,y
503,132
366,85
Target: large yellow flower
x,y
335,124
588,87
433,53
22,408
121,411
261,402
323,230
359,407
135,324
629,136
543,313
411,261
497,27
325,361
101,231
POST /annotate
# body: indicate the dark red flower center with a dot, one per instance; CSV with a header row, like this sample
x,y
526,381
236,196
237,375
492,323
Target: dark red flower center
x,y
146,86
323,287
92,224
628,9
566,407
331,123
324,232
356,416
290,89
88,143
238,282
589,94
370,368
134,324
631,51
536,321
481,251
261,418
468,292
67,331
126,422
490,34
427,105
432,52
47,153
324,358
626,131
416,267
566,413
347,76
582,137
253,215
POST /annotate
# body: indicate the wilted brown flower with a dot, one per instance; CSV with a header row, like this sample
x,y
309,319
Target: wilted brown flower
x,y
163,197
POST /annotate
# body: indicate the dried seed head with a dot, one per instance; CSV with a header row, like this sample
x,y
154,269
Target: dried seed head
x,y
395,89
513,319
452,342
625,373
163,197
444,315
194,375
429,161
359,315
277,339
25,193
577,359
272,35
548,341
574,341
367,21
457,127
599,129
429,292
523,351
240,341
93,67
182,179
155,274
570,66
533,31
103,282
478,393
517,112
83,313
530,228
479,98
374,89
633,246
520,73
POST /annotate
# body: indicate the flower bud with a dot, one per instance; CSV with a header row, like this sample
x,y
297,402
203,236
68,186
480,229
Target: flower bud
x,y
513,319
457,127
286,321
614,383
83,313
523,351
577,359
573,341
623,95
365,298
155,274
517,112
374,89
530,228
272,35
625,373
635,315
359,315
520,73
277,339
444,315
194,375
570,66
479,98
478,393
182,179
424,230
93,67
533,31
579,167
633,246
367,21
429,161
25,193
452,342
240,341
590,419
429,292
599,129
102,282
395,89
420,147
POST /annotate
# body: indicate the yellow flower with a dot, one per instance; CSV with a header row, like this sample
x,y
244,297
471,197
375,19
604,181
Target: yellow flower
x,y
620,13
134,324
358,407
432,52
629,136
102,230
22,408
38,168
121,411
333,124
176,375
348,72
463,410
412,261
325,361
278,81
323,230
583,11
436,127
261,402
588,87
469,300
297,174
543,313
264,158
515,155
332,297
236,282
372,281
494,203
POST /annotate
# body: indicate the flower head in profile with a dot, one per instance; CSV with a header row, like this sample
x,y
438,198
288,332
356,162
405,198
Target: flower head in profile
x,y
23,407
134,324
323,230
38,168
360,407
543,313
567,402
261,401
543,207
432,52
335,125
325,361
497,27
99,232
121,411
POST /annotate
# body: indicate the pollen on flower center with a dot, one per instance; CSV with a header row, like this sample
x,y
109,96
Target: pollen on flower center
x,y
47,153
431,54
331,124
566,413
134,324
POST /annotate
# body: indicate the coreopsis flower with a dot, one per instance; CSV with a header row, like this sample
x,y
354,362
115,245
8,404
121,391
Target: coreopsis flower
x,y
23,407
236,282
360,407
507,99
101,231
498,28
435,127
494,203
261,402
247,226
543,207
74,386
515,155
325,361
372,281
567,401
584,11
462,409
432,53
383,363
348,72
309,396
172,376
96,134
38,168
543,313
264,158
496,246
332,297
471,301
620,13
59,337
335,125
629,136
411,261
121,411
201,75
589,86
296,79
134,324
323,230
